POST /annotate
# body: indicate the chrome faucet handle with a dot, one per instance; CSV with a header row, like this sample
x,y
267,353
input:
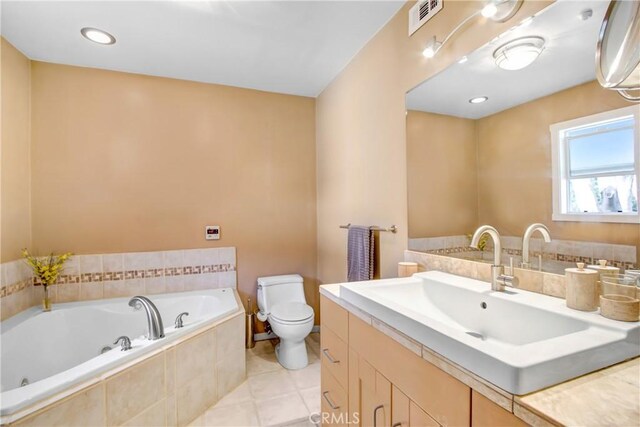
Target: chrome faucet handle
x,y
179,319
126,343
508,280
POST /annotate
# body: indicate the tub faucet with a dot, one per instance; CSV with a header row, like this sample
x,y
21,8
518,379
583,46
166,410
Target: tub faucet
x,y
154,320
498,279
126,343
526,239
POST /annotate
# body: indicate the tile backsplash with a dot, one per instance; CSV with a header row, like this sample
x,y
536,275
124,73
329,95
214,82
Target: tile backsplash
x,y
87,277
556,255
534,281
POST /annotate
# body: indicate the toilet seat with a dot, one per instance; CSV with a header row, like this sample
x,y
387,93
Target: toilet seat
x,y
291,312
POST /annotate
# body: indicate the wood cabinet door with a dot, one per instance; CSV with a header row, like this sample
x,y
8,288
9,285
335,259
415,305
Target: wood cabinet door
x,y
485,413
419,418
375,396
405,413
399,408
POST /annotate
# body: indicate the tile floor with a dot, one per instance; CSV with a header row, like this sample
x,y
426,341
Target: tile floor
x,y
271,395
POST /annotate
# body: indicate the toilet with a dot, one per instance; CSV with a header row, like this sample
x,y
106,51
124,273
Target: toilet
x,y
281,301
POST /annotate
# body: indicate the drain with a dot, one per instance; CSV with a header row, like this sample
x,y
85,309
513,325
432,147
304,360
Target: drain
x,y
24,382
476,335
105,349
483,305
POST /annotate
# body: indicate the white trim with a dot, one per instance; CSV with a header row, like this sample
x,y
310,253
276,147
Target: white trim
x,y
559,173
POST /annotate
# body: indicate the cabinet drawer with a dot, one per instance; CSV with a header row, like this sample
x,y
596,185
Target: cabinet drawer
x,y
334,353
334,401
334,317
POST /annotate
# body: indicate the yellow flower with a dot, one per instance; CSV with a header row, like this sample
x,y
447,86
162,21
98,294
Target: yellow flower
x,y
47,269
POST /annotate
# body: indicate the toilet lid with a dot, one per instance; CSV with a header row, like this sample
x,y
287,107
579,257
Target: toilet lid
x,y
292,311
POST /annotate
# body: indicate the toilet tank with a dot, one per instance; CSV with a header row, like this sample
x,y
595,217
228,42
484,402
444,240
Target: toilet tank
x,y
276,289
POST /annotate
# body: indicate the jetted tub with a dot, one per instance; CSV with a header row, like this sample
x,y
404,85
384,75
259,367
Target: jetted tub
x,y
56,350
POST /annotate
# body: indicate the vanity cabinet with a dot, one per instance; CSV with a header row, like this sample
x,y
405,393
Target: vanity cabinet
x,y
369,379
334,353
364,372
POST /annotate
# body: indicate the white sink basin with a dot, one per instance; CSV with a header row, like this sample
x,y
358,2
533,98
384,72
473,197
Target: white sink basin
x,y
518,340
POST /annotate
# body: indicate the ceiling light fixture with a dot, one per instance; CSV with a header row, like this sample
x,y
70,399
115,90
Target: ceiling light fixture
x,y
519,53
489,10
478,100
496,10
463,60
97,36
432,48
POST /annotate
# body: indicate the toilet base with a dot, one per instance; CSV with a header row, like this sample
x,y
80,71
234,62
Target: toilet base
x,y
292,355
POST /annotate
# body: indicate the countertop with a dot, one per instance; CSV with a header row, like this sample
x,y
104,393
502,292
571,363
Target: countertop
x,y
608,397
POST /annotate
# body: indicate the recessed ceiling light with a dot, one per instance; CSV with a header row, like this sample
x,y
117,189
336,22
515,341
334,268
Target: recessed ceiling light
x,y
518,53
463,60
478,100
97,36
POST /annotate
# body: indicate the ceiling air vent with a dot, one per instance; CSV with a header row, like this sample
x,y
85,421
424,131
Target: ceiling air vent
x,y
421,12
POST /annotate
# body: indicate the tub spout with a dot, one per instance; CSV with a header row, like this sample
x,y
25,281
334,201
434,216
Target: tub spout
x,y
154,320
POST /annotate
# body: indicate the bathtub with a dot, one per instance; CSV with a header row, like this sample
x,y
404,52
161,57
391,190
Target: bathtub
x,y
73,343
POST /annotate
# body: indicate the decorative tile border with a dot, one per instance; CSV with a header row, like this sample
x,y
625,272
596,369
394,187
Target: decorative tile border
x,y
548,256
14,288
204,267
140,274
621,256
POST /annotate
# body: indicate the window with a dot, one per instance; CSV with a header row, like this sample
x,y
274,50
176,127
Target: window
x,y
596,165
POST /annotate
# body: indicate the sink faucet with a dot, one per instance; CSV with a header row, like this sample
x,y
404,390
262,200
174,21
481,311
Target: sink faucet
x,y
154,320
498,279
527,237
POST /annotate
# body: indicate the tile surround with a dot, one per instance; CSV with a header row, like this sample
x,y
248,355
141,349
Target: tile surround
x,y
272,396
87,277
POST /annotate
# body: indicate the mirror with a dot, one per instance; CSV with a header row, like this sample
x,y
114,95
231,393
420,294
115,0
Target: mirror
x,y
618,49
520,132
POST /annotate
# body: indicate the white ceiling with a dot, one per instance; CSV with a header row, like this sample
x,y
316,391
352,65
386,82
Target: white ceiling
x,y
293,47
567,60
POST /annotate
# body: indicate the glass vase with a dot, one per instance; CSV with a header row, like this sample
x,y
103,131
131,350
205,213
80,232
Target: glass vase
x,y
46,301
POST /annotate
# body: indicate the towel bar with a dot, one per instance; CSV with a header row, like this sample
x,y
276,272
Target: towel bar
x,y
392,229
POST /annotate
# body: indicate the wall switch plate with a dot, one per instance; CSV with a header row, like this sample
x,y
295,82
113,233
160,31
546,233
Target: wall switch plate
x,y
212,232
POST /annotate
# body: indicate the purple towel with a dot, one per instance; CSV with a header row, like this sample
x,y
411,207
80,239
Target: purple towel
x,y
360,257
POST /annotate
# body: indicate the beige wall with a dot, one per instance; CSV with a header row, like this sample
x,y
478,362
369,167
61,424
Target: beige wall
x,y
15,185
361,138
125,163
514,158
442,181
